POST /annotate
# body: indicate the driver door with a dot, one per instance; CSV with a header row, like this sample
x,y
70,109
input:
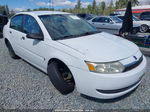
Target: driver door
x,y
33,50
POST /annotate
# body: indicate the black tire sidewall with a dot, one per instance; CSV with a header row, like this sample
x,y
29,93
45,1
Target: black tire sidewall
x,y
57,80
11,51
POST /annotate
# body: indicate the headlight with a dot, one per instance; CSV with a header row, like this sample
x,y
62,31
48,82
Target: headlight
x,y
106,68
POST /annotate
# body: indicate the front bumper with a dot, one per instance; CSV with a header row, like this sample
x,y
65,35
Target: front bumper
x,y
90,83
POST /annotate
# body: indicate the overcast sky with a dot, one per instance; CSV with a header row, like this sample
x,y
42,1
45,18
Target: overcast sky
x,y
25,4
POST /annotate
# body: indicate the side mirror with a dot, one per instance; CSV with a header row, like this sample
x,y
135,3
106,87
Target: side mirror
x,y
35,36
111,22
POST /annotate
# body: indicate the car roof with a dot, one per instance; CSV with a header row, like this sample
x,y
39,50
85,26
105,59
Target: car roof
x,y
102,16
38,13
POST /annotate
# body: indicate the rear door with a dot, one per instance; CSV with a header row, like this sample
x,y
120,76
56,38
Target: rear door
x,y
98,23
15,33
104,24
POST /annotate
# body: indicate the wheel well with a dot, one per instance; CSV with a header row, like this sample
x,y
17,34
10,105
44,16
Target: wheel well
x,y
58,61
62,63
6,42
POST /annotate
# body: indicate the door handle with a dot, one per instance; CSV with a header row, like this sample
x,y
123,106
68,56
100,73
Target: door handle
x,y
23,38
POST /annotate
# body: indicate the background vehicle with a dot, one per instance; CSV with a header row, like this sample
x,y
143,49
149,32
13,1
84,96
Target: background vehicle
x,y
110,24
144,25
86,16
3,21
137,10
73,53
145,16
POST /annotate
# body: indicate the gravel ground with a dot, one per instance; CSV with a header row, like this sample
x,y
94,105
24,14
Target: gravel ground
x,y
24,87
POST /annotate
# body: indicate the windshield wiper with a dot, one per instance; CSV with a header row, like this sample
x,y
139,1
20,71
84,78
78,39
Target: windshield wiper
x,y
66,37
89,33
74,36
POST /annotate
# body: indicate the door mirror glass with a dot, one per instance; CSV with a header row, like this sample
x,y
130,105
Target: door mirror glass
x,y
111,22
35,36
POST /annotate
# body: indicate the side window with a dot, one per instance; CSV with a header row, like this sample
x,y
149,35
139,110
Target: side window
x,y
16,22
107,20
96,19
31,25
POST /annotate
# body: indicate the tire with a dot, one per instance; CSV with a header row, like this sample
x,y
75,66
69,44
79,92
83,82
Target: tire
x,y
135,30
58,80
144,28
120,32
11,51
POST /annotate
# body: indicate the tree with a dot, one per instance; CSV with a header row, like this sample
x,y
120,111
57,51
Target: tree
x,y
78,6
94,5
123,3
103,5
111,4
7,9
135,2
2,8
28,10
89,9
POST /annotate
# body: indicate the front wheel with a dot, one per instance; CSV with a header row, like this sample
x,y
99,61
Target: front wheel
x,y
61,77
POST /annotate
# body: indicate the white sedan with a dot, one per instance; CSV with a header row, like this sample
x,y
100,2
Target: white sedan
x,y
74,54
110,24
144,25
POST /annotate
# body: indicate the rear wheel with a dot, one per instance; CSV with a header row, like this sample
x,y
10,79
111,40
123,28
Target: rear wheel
x,y
61,77
11,51
144,28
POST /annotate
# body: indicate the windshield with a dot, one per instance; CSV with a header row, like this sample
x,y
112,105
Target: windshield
x,y
135,19
116,19
65,26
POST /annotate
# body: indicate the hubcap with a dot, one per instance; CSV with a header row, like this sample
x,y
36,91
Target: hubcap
x,y
143,28
66,75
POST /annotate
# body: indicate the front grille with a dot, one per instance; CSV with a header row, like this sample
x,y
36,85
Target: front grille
x,y
133,65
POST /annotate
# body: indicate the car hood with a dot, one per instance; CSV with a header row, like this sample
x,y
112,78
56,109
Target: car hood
x,y
101,47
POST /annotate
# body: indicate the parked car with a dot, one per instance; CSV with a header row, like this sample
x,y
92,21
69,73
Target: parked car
x,y
145,16
86,16
3,21
74,54
110,24
144,25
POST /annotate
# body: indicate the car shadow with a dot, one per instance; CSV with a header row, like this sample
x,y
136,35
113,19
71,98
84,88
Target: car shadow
x,y
108,100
